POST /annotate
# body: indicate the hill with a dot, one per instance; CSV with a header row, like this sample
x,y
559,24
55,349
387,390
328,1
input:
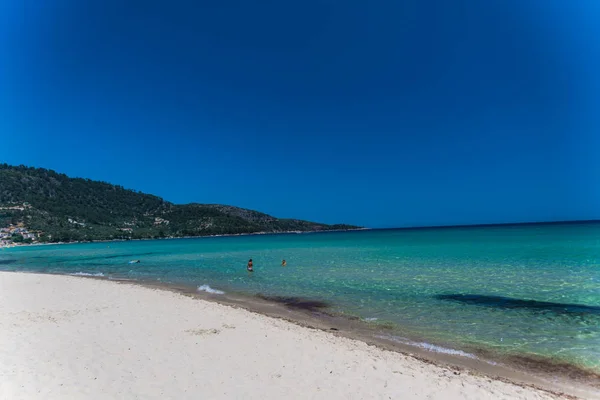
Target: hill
x,y
63,209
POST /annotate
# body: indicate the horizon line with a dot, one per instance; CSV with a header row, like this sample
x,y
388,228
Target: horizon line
x,y
487,225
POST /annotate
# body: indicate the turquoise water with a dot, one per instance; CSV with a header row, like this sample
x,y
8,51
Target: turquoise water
x,y
515,290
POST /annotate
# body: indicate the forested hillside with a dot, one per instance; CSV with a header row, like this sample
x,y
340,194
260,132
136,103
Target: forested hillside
x,y
60,208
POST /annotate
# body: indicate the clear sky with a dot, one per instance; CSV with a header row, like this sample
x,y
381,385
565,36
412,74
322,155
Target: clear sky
x,y
378,113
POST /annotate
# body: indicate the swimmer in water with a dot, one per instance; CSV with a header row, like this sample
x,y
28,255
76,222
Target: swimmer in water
x,y
249,267
283,263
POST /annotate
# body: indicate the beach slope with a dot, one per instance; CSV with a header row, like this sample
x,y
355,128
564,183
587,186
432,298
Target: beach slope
x,y
67,337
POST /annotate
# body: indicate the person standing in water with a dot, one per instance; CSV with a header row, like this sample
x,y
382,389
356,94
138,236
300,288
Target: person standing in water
x,y
249,267
283,263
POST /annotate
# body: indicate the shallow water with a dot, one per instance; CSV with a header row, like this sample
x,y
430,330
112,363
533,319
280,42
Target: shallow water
x,y
529,290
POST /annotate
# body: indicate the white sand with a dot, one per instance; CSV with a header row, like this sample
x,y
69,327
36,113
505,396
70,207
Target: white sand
x,y
73,338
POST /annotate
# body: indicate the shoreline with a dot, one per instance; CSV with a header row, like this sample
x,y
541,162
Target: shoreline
x,y
528,374
526,371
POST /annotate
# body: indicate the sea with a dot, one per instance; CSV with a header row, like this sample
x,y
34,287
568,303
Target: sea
x,y
529,292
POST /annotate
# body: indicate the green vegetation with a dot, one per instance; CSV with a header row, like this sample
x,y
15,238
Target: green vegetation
x,y
63,209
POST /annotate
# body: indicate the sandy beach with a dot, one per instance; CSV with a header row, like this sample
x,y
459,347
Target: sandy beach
x,y
69,337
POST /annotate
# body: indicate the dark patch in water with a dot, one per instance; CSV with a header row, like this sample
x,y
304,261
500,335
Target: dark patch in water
x,y
511,303
296,303
6,262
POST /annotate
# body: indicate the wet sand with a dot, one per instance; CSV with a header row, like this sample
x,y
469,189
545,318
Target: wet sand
x,y
69,337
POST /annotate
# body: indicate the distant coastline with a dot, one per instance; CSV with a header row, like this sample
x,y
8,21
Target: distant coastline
x,y
412,228
186,237
505,225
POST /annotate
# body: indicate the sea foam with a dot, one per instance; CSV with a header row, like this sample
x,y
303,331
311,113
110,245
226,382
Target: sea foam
x,y
87,274
208,289
430,347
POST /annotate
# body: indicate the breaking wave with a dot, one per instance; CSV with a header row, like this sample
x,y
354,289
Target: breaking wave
x,y
430,347
208,289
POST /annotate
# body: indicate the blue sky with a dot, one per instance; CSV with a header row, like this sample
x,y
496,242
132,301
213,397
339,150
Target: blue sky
x,y
383,113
